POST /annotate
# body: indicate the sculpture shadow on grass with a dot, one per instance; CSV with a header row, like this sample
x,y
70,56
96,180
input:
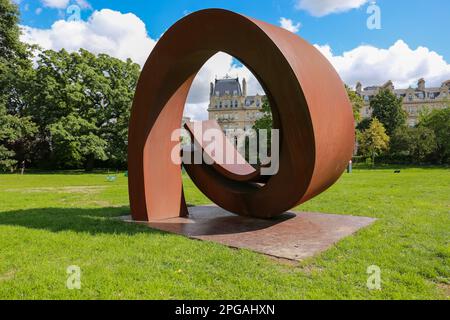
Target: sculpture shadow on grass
x,y
106,221
83,220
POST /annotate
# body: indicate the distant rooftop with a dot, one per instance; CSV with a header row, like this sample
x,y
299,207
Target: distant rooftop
x,y
420,87
227,86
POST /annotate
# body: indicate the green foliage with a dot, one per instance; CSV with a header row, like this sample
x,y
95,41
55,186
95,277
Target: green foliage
x,y
97,89
10,46
357,103
75,141
15,62
373,141
15,132
413,144
7,161
364,124
387,108
266,121
439,122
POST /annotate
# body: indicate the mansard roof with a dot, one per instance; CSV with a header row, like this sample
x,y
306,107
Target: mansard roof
x,y
227,86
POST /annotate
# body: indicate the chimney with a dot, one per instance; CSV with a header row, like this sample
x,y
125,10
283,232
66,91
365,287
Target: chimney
x,y
358,87
211,90
389,85
421,84
244,87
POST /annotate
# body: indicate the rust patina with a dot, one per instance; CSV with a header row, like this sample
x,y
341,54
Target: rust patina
x,y
308,99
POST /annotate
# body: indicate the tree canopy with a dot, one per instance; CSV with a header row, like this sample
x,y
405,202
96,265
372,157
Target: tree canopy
x,y
413,144
387,108
16,130
439,122
82,104
373,141
65,110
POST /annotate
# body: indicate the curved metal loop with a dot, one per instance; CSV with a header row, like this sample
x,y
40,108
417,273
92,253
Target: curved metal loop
x,y
310,105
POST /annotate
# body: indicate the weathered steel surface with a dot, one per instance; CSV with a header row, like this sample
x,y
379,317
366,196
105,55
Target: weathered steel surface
x,y
238,169
292,236
308,99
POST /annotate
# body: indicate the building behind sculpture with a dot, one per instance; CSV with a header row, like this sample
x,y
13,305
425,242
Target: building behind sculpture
x,y
230,105
415,100
232,108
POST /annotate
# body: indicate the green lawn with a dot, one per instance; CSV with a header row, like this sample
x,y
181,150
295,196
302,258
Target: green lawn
x,y
51,221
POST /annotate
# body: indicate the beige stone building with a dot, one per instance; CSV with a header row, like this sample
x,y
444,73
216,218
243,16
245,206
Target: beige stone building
x,y
230,105
415,100
232,108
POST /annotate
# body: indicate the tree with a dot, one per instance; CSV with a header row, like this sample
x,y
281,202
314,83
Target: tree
x,y
364,124
357,103
265,123
413,144
10,46
387,108
75,142
16,130
373,141
15,62
99,90
439,122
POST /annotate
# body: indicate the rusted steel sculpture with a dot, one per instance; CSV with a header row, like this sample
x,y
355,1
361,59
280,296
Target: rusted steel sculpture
x,y
308,99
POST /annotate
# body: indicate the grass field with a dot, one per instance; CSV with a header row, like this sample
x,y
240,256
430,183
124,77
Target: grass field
x,y
51,221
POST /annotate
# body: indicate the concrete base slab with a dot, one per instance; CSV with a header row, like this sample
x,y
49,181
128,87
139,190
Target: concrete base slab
x,y
293,236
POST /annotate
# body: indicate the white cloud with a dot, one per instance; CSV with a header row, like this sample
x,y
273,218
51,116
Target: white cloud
x,y
125,36
399,63
289,25
38,11
321,8
106,31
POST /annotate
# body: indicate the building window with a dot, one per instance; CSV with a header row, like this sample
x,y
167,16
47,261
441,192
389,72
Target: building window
x,y
235,92
235,104
217,93
227,92
366,98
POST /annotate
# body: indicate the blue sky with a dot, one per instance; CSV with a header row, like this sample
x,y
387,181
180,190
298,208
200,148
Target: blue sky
x,y
411,44
419,23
